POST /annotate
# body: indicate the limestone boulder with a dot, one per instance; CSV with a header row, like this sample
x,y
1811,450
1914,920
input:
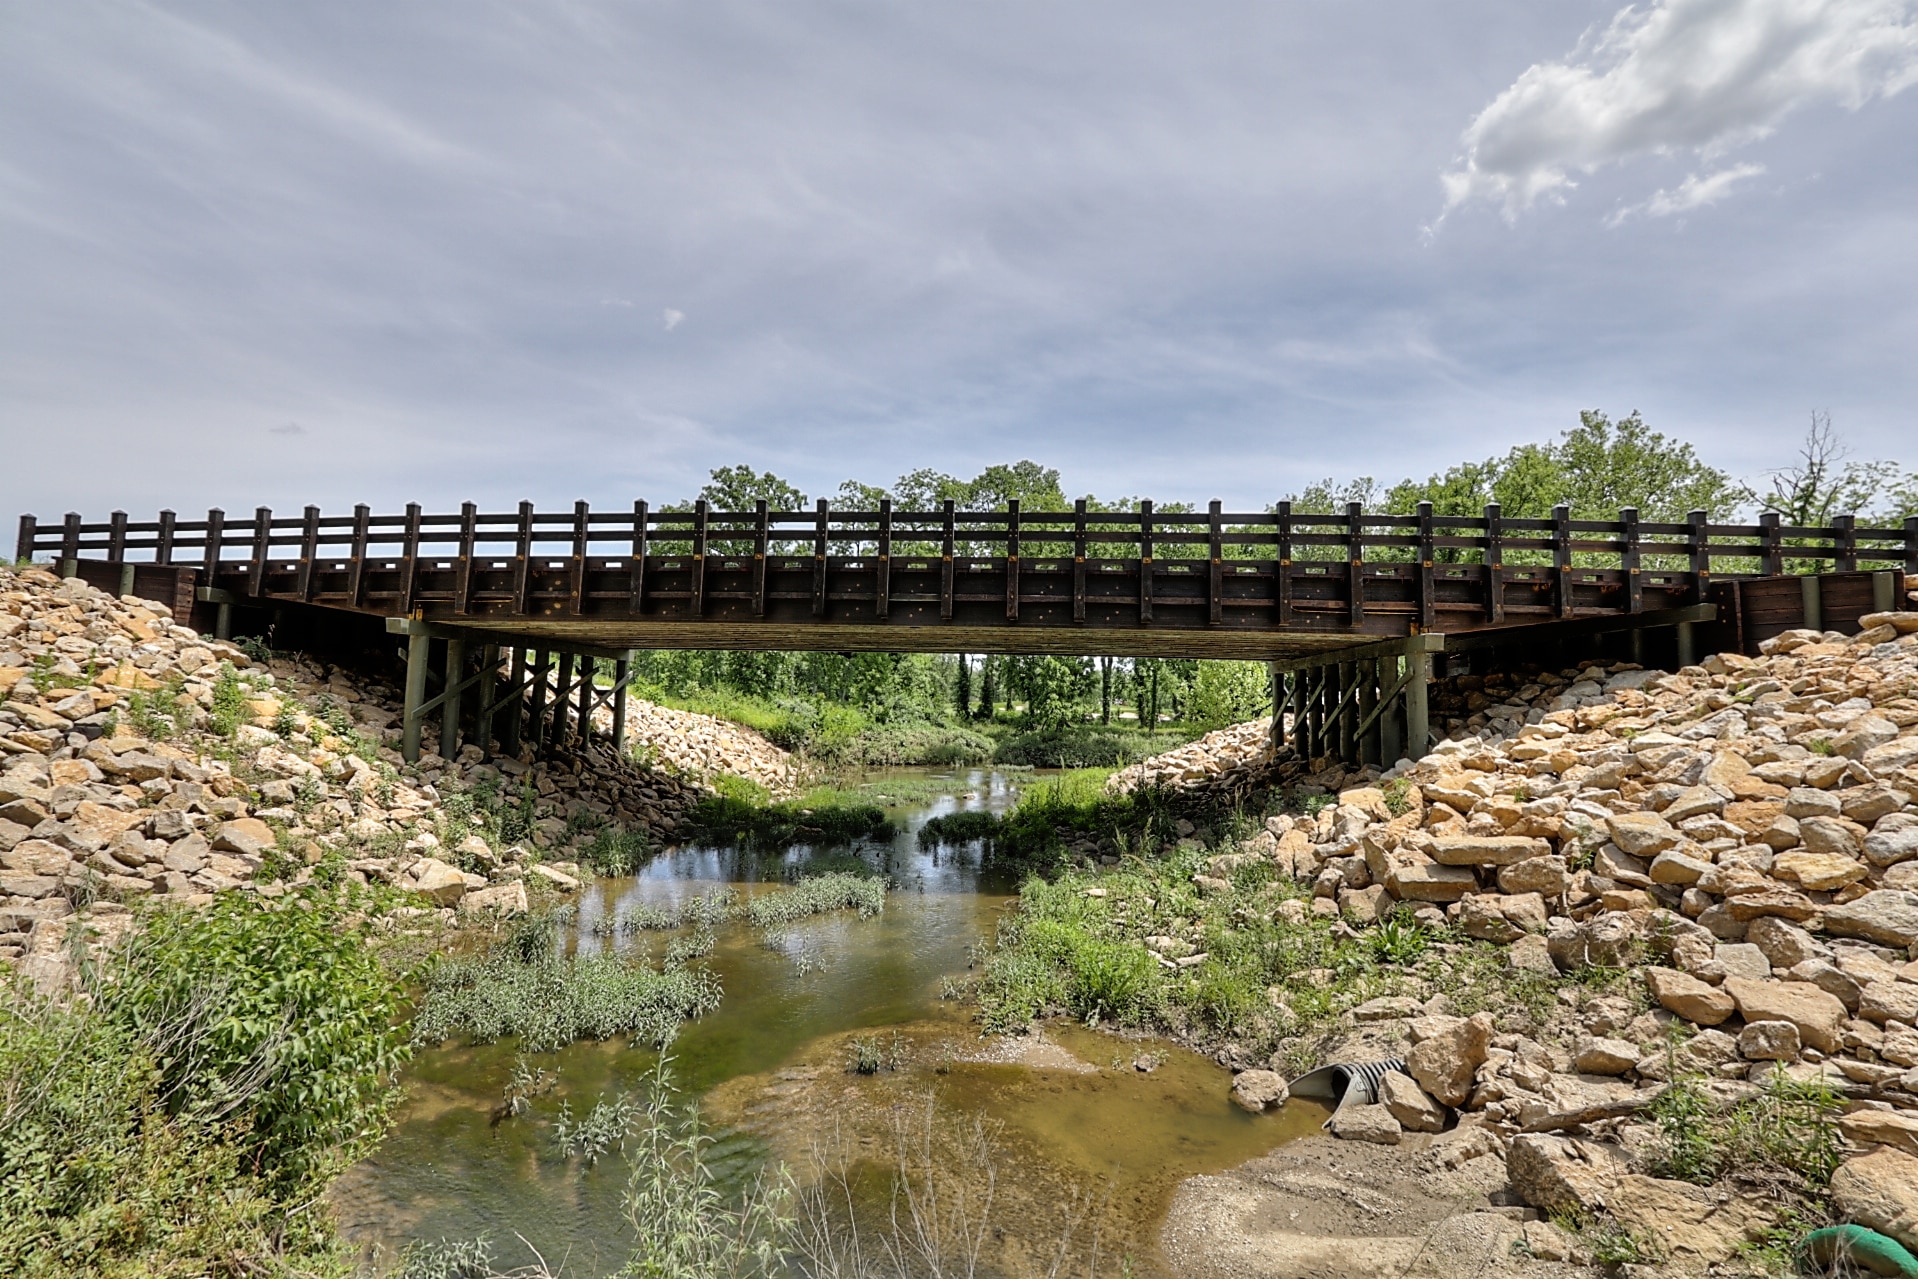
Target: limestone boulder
x,y
1610,940
1544,875
1411,1105
1819,1015
1563,1174
1879,1190
1893,839
1444,1063
1430,882
439,883
246,836
1686,996
1599,1055
1374,1123
1886,916
1487,850
1259,1090
1642,834
507,901
1888,1000
1895,1128
1819,872
1769,1041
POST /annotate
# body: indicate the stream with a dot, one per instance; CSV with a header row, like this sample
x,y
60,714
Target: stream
x,y
1085,1146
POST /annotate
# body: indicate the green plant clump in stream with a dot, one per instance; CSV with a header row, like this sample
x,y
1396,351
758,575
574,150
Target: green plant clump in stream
x,y
819,817
182,1117
818,895
960,828
524,987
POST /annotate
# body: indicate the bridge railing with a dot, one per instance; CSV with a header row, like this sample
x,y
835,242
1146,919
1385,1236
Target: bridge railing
x,y
1354,537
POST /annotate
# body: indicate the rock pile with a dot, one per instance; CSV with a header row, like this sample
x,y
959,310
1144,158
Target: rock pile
x,y
704,746
140,760
1225,763
1743,834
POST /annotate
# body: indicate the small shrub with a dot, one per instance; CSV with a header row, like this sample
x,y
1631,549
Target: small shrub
x,y
869,1054
605,1126
959,828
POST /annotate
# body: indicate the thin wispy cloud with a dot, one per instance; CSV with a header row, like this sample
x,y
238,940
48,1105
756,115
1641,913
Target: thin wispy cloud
x,y
1679,77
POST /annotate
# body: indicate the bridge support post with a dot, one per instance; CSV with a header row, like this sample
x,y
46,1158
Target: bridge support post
x,y
488,695
516,709
1367,703
587,667
419,648
536,703
450,708
563,685
622,674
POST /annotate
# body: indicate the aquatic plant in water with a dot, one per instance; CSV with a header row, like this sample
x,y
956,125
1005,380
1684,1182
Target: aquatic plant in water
x,y
816,896
523,987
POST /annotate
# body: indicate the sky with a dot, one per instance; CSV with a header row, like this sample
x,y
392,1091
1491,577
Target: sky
x,y
274,253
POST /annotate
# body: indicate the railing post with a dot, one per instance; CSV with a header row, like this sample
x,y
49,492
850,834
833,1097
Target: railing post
x,y
1355,554
309,548
1428,606
882,577
262,550
356,563
418,650
1012,559
760,541
1845,544
70,546
1494,565
1282,568
463,579
116,537
1701,556
1771,554
821,519
523,563
1628,560
582,536
637,589
1562,560
163,541
946,567
1215,565
700,516
1145,565
210,569
1911,545
23,548
410,561
1079,560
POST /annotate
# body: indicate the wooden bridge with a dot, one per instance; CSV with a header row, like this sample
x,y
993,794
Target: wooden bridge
x,y
1349,608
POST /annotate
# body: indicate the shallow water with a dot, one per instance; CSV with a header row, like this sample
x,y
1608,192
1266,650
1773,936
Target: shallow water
x,y
1070,1115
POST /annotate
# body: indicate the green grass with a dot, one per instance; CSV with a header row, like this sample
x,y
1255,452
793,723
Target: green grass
x,y
817,896
1086,746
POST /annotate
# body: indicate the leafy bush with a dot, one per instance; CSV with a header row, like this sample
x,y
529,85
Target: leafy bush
x,y
1109,980
1784,1136
276,1014
182,1118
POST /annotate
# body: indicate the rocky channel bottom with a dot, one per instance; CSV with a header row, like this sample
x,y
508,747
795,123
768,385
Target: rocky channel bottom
x,y
1740,838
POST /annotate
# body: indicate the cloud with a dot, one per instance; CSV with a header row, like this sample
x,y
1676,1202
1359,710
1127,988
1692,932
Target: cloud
x,y
286,428
672,319
1680,76
1695,192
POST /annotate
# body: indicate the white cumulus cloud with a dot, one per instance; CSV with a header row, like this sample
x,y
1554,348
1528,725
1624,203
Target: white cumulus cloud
x,y
671,319
1695,192
1675,77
